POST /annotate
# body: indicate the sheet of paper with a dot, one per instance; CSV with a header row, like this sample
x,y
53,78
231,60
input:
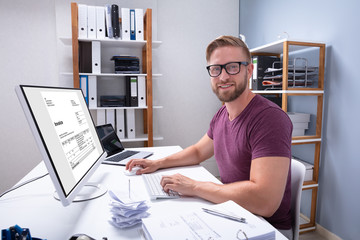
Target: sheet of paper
x,y
200,225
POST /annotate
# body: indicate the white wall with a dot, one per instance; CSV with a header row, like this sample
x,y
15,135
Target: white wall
x,y
34,55
28,56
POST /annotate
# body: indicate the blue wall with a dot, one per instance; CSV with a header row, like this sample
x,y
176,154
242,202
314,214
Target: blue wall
x,y
337,24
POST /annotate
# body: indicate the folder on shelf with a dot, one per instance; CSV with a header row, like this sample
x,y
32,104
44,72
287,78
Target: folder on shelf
x,y
91,25
82,18
120,123
131,91
125,23
130,123
109,29
96,56
100,117
139,24
141,91
85,57
115,20
100,22
261,63
132,25
92,83
110,116
84,87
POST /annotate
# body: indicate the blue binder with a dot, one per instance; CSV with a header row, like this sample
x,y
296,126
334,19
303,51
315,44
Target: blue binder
x,y
132,25
84,85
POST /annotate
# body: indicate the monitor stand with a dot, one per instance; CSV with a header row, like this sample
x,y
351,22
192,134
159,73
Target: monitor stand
x,y
87,192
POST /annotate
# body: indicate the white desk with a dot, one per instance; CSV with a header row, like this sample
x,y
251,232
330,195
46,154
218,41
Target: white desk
x,y
33,206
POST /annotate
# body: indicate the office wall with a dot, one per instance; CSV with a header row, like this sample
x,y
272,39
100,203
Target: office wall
x,y
28,56
33,54
336,24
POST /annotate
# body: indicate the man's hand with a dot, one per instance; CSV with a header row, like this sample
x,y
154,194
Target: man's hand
x,y
148,166
179,183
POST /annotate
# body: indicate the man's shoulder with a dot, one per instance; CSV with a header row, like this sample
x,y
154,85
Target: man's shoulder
x,y
268,110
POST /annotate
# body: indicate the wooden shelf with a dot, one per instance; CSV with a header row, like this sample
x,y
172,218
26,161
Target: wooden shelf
x,y
119,74
141,138
112,42
112,108
283,48
146,46
277,47
298,91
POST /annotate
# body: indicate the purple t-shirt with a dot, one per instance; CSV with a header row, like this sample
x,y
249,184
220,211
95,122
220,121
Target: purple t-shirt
x,y
261,130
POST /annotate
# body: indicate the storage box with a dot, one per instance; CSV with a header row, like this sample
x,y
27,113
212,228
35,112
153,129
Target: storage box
x,y
309,169
300,122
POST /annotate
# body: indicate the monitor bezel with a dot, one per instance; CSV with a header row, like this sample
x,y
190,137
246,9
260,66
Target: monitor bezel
x,y
65,198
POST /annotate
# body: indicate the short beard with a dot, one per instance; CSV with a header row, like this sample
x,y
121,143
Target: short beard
x,y
239,89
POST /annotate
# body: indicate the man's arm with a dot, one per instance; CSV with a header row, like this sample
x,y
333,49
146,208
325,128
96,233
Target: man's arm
x,y
192,155
261,195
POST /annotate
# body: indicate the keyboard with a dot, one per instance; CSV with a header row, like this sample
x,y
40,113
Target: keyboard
x,y
121,156
155,190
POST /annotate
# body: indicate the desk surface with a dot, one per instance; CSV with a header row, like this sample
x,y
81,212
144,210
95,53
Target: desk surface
x,y
33,206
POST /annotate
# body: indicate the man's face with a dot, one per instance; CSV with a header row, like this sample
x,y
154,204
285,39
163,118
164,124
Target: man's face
x,y
228,87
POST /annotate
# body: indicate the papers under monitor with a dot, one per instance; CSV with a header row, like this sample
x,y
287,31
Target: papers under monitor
x,y
201,225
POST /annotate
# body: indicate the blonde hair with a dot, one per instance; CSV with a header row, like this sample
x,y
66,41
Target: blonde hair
x,y
223,41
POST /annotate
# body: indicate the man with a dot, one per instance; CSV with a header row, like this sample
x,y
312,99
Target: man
x,y
249,136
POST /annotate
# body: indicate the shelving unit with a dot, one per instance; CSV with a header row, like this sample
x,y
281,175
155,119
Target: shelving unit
x,y
146,45
282,49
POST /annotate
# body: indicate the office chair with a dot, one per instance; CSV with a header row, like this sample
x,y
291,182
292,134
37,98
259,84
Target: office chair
x,y
297,178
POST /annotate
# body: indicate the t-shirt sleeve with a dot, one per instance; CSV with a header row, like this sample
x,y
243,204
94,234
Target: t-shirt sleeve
x,y
210,130
270,134
213,121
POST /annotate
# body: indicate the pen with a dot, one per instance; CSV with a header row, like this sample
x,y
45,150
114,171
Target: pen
x,y
220,214
129,189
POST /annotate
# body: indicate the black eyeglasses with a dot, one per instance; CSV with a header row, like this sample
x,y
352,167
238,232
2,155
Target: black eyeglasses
x,y
231,68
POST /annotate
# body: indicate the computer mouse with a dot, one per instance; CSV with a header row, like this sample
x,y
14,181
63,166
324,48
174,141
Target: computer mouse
x,y
81,237
133,171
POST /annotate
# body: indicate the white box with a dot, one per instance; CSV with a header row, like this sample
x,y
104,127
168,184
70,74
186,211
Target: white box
x,y
298,117
309,169
300,122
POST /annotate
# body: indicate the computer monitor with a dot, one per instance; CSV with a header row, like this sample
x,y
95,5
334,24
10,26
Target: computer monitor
x,y
66,136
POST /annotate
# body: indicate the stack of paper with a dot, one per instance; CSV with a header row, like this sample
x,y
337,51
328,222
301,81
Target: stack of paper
x,y
198,225
126,212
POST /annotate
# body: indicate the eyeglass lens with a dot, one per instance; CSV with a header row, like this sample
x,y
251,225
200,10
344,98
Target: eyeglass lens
x,y
230,68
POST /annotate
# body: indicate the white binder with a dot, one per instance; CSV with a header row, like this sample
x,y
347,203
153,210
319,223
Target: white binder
x,y
130,123
125,23
141,91
96,56
100,22
109,29
100,117
120,123
92,91
82,16
110,117
91,25
139,24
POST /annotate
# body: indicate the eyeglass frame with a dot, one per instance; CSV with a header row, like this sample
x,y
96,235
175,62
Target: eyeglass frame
x,y
223,66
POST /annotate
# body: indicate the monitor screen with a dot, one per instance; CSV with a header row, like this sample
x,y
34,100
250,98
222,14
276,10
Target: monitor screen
x,y
65,133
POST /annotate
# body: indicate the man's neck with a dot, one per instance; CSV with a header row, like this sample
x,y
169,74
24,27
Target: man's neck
x,y
236,107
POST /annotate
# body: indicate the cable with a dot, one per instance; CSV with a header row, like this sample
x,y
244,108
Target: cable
x,y
22,184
